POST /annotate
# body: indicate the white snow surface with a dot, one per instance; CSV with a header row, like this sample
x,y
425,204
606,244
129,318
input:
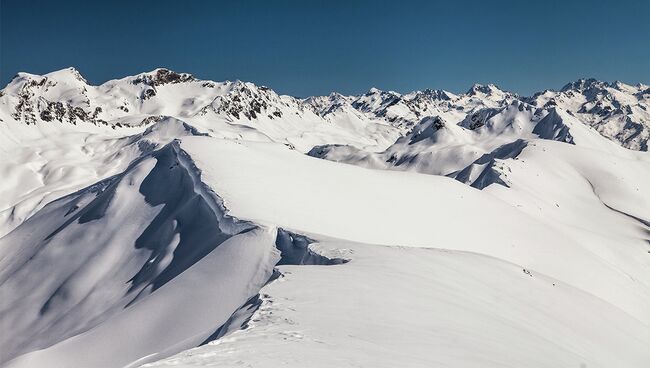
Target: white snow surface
x,y
142,218
415,307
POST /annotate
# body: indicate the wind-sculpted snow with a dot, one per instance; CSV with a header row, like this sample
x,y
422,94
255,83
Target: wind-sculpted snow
x,y
98,257
294,250
158,213
104,248
57,162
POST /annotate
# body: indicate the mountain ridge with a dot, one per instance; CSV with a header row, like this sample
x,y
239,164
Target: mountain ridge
x,y
618,111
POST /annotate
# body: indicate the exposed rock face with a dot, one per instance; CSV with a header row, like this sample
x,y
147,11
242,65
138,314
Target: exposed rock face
x,y
163,76
245,100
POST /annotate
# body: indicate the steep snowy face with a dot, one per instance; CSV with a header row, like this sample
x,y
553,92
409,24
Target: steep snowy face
x,y
109,248
617,110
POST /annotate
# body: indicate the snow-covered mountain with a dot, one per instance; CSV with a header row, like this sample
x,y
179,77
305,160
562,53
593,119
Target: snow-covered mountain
x,y
617,110
163,220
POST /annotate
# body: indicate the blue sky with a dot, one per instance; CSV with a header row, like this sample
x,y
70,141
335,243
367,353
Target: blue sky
x,y
315,47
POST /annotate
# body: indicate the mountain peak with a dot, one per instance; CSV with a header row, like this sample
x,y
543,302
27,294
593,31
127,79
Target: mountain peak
x,y
427,128
67,74
582,84
483,89
161,76
437,94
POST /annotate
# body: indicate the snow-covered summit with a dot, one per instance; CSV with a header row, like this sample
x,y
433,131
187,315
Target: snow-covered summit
x,y
480,89
583,84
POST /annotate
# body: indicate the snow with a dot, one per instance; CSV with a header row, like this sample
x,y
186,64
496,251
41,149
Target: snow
x,y
180,315
148,215
125,258
415,307
362,205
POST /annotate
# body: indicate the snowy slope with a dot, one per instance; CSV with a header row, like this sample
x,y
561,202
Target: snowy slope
x,y
413,307
155,213
347,202
571,288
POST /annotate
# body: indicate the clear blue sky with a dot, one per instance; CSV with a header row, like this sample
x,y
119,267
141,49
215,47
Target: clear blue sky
x,y
314,47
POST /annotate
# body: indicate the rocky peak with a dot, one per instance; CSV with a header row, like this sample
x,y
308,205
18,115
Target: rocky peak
x,y
24,82
582,85
375,100
163,76
489,89
478,118
246,100
434,94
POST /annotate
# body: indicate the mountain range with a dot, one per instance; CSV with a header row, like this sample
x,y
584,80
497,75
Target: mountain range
x,y
163,220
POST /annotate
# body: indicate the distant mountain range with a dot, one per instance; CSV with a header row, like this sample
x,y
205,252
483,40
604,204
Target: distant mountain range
x,y
616,110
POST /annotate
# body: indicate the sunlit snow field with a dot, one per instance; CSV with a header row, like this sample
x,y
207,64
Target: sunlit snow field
x,y
161,220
